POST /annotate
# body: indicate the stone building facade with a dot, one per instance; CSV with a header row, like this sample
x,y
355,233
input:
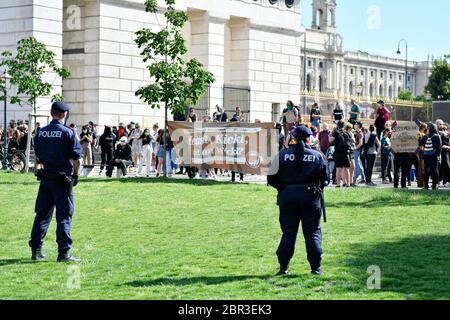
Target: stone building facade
x,y
254,48
332,69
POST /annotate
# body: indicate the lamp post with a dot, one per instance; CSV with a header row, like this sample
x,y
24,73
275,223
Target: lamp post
x,y
428,98
406,64
5,129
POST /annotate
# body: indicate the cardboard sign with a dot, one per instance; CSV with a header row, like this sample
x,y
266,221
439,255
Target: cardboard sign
x,y
404,137
241,147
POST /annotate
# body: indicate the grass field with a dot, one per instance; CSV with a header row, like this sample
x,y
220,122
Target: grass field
x,y
158,239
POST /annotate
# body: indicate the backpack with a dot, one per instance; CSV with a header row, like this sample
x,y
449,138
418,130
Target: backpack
x,y
370,143
429,149
344,143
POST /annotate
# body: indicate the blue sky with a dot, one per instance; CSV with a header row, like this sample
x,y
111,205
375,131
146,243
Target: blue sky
x,y
424,24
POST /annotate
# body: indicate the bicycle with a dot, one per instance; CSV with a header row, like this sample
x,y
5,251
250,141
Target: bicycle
x,y
16,160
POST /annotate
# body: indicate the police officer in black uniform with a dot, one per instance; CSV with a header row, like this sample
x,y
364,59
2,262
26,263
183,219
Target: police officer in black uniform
x,y
58,151
300,176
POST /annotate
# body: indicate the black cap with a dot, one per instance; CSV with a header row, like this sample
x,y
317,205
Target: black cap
x,y
380,102
60,106
301,132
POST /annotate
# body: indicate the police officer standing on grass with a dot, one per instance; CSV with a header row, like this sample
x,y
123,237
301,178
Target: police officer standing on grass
x,y
58,151
300,176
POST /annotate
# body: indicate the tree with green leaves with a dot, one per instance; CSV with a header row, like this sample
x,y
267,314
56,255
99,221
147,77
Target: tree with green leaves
x,y
176,82
439,82
405,95
25,71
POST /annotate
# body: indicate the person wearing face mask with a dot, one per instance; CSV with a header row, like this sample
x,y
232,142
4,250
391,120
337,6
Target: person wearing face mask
x,y
147,151
86,143
122,158
106,142
136,145
154,135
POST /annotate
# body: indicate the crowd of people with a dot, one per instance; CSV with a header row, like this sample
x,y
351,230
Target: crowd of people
x,y
352,148
131,147
17,134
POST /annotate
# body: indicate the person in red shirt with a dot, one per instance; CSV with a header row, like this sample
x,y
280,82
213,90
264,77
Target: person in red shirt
x,y
382,115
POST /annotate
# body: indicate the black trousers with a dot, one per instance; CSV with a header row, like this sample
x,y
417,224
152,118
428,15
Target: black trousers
x,y
233,176
380,128
402,163
444,171
191,172
369,164
297,204
431,170
122,165
106,157
53,195
386,166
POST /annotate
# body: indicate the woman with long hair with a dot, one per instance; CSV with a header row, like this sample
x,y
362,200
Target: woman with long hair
x,y
147,151
107,143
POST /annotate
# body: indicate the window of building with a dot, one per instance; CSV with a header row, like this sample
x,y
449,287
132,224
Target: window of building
x,y
409,78
372,74
351,71
362,72
381,75
400,77
391,76
309,63
321,65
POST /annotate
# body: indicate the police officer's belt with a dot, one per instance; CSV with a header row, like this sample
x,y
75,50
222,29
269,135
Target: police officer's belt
x,y
304,185
57,176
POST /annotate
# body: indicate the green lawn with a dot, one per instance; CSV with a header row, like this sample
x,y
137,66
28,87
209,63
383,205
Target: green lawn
x,y
158,239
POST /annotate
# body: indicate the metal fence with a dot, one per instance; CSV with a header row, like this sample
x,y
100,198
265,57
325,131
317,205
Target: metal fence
x,y
203,105
398,112
236,96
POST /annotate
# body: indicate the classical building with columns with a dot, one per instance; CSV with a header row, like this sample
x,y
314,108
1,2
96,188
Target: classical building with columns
x,y
330,68
254,48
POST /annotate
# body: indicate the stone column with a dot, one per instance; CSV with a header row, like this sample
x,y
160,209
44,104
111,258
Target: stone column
x,y
396,85
208,45
345,77
367,85
377,83
316,74
42,20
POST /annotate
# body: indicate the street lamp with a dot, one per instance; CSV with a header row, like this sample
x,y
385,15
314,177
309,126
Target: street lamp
x,y
5,129
428,98
406,65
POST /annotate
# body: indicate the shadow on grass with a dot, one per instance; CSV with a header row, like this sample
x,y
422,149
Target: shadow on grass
x,y
11,183
8,262
408,198
192,182
206,280
418,267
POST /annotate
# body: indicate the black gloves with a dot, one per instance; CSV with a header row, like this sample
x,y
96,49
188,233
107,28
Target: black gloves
x,y
75,180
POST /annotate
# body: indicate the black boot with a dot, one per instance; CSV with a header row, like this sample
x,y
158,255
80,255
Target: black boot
x,y
67,257
283,271
37,254
317,272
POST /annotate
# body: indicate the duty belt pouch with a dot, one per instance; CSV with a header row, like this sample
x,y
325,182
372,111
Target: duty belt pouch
x,y
39,174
